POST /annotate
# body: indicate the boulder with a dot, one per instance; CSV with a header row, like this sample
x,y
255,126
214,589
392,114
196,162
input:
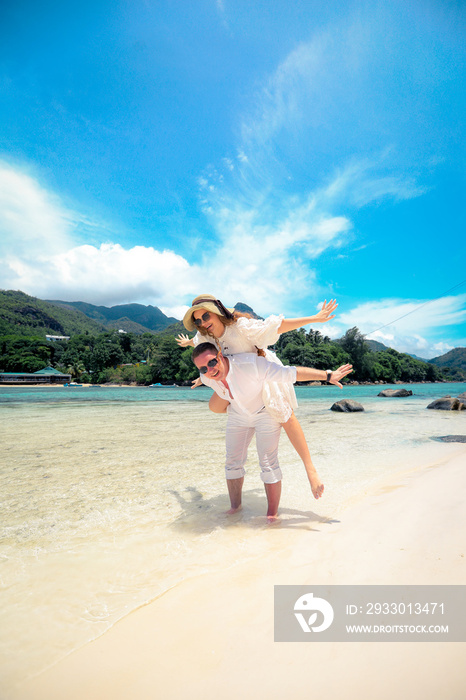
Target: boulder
x,y
453,438
447,403
347,406
462,396
395,392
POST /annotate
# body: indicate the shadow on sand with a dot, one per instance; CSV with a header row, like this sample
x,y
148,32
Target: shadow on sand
x,y
203,515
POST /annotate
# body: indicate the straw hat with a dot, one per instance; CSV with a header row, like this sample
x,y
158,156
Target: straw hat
x,y
209,303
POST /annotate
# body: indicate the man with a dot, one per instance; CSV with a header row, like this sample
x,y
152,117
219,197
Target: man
x,y
239,380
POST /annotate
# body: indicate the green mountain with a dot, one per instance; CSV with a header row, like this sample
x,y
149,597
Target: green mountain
x,y
376,346
245,309
21,314
455,359
132,318
24,315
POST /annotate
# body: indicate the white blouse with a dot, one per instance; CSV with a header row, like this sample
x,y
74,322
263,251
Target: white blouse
x,y
248,335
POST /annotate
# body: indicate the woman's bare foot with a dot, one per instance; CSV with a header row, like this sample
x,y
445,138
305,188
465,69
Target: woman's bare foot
x,y
272,519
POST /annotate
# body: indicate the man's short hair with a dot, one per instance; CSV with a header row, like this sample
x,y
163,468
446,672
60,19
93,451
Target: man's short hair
x,y
202,347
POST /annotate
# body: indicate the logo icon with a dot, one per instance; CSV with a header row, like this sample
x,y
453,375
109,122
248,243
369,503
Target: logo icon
x,y
310,605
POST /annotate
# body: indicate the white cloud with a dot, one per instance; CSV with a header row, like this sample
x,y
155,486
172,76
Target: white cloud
x,y
442,348
281,100
40,253
267,239
264,252
258,264
418,314
409,325
30,216
258,259
265,233
361,182
109,275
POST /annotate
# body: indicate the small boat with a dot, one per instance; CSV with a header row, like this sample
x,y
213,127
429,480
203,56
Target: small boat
x,y
162,386
72,384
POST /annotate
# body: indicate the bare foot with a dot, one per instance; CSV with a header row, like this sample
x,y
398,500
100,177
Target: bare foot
x,y
316,485
234,510
272,519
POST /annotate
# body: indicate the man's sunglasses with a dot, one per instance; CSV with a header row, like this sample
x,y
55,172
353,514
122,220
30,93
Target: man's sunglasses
x,y
211,363
204,318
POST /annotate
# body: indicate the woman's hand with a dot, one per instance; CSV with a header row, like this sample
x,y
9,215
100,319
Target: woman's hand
x,y
324,314
184,341
196,382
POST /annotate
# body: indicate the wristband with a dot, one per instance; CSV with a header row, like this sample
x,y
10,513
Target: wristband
x,y
329,375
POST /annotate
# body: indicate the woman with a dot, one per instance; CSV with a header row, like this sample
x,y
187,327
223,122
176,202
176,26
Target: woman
x,y
233,333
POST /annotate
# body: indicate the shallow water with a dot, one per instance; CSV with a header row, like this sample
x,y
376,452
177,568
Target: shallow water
x,y
111,496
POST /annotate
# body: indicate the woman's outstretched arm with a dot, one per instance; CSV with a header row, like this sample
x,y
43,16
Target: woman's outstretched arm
x,y
324,315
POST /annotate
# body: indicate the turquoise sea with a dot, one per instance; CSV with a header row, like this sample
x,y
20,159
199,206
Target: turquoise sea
x,y
110,496
98,394
93,394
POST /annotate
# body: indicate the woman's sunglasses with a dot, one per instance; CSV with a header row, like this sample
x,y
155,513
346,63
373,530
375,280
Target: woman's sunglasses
x,y
204,318
211,363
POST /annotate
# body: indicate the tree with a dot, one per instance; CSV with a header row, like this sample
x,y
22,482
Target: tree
x,y
165,360
187,370
354,344
315,337
76,369
24,354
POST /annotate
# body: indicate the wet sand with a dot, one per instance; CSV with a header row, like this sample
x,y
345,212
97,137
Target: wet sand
x,y
212,635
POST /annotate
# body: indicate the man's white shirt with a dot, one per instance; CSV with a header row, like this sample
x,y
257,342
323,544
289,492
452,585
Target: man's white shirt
x,y
246,377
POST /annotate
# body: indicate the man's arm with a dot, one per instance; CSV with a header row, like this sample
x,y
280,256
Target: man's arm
x,y
309,374
273,372
218,405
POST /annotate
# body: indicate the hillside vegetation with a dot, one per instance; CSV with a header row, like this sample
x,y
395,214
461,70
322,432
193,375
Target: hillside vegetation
x,y
133,318
454,361
21,314
99,353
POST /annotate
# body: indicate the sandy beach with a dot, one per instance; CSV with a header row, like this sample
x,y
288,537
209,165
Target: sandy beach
x,y
212,635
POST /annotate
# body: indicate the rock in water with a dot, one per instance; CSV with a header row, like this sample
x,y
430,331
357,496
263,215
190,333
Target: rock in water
x,y
347,406
395,392
447,403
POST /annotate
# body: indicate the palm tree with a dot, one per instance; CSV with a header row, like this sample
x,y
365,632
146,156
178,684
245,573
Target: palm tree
x,y
76,368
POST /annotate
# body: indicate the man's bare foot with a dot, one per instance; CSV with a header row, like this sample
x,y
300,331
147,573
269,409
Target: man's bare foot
x,y
272,519
316,485
234,510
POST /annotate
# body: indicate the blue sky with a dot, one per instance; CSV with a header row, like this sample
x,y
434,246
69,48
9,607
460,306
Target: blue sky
x,y
275,153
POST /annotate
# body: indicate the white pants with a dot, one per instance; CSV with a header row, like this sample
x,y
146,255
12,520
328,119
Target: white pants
x,y
240,429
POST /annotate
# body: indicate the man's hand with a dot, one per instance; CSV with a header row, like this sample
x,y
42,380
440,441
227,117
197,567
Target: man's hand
x,y
184,341
339,374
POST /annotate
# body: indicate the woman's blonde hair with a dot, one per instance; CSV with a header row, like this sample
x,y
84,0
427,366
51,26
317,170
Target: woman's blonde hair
x,y
229,322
